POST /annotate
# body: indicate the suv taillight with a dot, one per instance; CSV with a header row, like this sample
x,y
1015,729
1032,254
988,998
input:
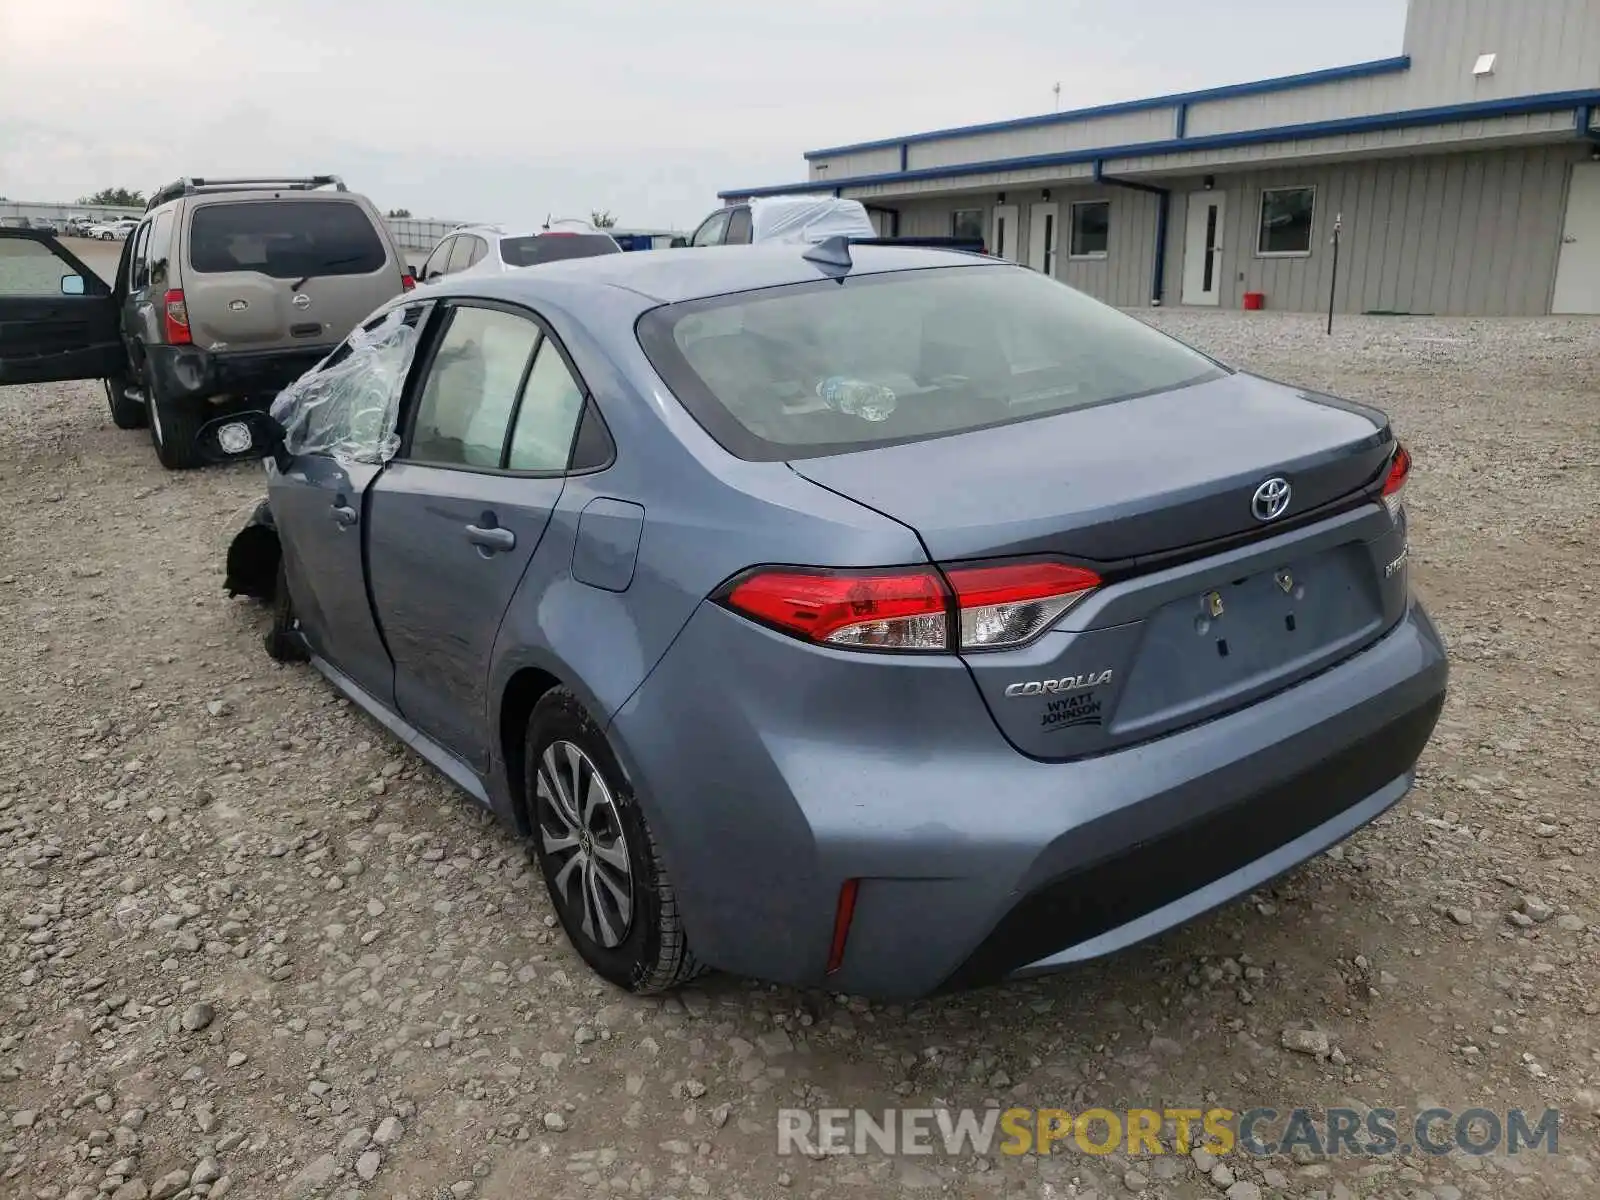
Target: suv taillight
x,y
1395,485
407,282
912,609
176,313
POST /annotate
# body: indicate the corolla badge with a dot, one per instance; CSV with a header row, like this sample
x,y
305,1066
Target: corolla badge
x,y
1054,687
1271,499
301,301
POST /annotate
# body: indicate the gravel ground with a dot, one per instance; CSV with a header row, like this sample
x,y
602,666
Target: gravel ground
x,y
253,946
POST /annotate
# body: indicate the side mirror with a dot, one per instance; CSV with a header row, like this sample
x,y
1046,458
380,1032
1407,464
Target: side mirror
x,y
242,437
679,243
72,285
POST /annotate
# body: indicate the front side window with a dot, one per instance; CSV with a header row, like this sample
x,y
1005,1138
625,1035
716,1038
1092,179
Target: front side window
x,y
472,387
285,239
1091,229
711,230
348,406
739,227
1286,220
825,368
548,416
967,223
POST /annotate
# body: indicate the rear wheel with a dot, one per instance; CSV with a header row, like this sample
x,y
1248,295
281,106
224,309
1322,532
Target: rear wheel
x,y
606,879
174,428
126,413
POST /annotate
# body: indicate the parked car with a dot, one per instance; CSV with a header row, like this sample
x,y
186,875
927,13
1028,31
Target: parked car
x,y
76,226
228,290
43,224
490,249
112,231
804,219
888,625
14,223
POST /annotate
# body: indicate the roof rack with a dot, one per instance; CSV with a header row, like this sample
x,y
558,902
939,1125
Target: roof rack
x,y
194,185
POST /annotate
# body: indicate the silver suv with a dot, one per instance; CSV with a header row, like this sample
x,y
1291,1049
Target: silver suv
x,y
227,290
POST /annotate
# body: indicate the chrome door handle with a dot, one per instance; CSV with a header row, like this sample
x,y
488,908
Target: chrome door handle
x,y
343,515
493,538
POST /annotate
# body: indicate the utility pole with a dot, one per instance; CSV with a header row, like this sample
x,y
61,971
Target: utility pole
x,y
1057,91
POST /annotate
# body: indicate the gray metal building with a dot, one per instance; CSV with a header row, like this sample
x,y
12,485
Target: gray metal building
x,y
1464,173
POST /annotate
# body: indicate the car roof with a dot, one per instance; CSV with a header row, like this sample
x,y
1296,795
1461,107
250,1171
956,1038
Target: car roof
x,y
671,276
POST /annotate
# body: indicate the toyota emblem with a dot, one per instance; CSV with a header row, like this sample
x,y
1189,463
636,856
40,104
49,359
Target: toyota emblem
x,y
303,302
1271,499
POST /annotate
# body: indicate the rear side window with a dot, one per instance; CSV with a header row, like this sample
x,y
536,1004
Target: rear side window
x,y
739,227
824,368
285,240
460,255
161,249
553,247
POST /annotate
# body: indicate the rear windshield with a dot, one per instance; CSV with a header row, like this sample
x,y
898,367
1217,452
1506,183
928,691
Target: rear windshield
x,y
823,368
285,240
552,247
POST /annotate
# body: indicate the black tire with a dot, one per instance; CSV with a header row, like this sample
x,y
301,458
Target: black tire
x,y
651,954
283,641
125,413
174,428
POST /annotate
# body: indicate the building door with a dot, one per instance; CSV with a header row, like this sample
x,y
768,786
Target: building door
x,y
1578,273
1044,223
1202,248
1003,232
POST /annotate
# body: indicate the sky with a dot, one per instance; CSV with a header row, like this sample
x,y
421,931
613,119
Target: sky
x,y
493,110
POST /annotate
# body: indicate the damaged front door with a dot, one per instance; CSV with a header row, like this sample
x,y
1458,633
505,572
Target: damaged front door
x,y
339,422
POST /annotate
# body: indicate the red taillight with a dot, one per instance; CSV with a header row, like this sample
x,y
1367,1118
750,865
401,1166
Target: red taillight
x,y
407,282
842,916
176,313
1395,485
1007,605
966,607
902,609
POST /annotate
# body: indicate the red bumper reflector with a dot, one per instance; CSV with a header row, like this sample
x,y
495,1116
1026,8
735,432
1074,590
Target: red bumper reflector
x,y
841,923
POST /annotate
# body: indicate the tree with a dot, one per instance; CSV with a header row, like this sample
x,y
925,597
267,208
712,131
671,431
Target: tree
x,y
601,218
399,213
114,198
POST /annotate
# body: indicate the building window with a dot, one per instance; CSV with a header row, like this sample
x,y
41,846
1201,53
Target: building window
x,y
967,223
1286,218
1091,229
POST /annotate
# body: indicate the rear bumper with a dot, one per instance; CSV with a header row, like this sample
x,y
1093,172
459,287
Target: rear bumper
x,y
190,372
977,863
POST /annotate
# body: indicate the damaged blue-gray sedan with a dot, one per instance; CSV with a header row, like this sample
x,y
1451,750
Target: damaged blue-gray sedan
x,y
891,620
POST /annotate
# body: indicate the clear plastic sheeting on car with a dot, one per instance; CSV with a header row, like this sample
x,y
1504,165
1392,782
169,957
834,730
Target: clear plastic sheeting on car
x,y
350,408
807,219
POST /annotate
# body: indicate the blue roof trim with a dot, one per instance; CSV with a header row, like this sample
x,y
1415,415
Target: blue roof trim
x,y
1281,83
1513,106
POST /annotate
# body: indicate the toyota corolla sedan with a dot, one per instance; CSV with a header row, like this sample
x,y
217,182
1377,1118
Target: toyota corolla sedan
x,y
890,620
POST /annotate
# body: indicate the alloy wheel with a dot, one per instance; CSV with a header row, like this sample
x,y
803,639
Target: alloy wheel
x,y
581,834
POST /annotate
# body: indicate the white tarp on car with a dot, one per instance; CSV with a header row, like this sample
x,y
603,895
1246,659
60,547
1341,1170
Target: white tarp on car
x,y
807,219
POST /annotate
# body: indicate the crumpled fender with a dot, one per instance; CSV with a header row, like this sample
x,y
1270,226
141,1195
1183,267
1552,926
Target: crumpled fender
x,y
253,556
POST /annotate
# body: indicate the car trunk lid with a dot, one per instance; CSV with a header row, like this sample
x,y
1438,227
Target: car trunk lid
x,y
1205,605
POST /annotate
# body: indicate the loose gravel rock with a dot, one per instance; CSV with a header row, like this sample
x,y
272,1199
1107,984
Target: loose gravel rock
x,y
183,996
